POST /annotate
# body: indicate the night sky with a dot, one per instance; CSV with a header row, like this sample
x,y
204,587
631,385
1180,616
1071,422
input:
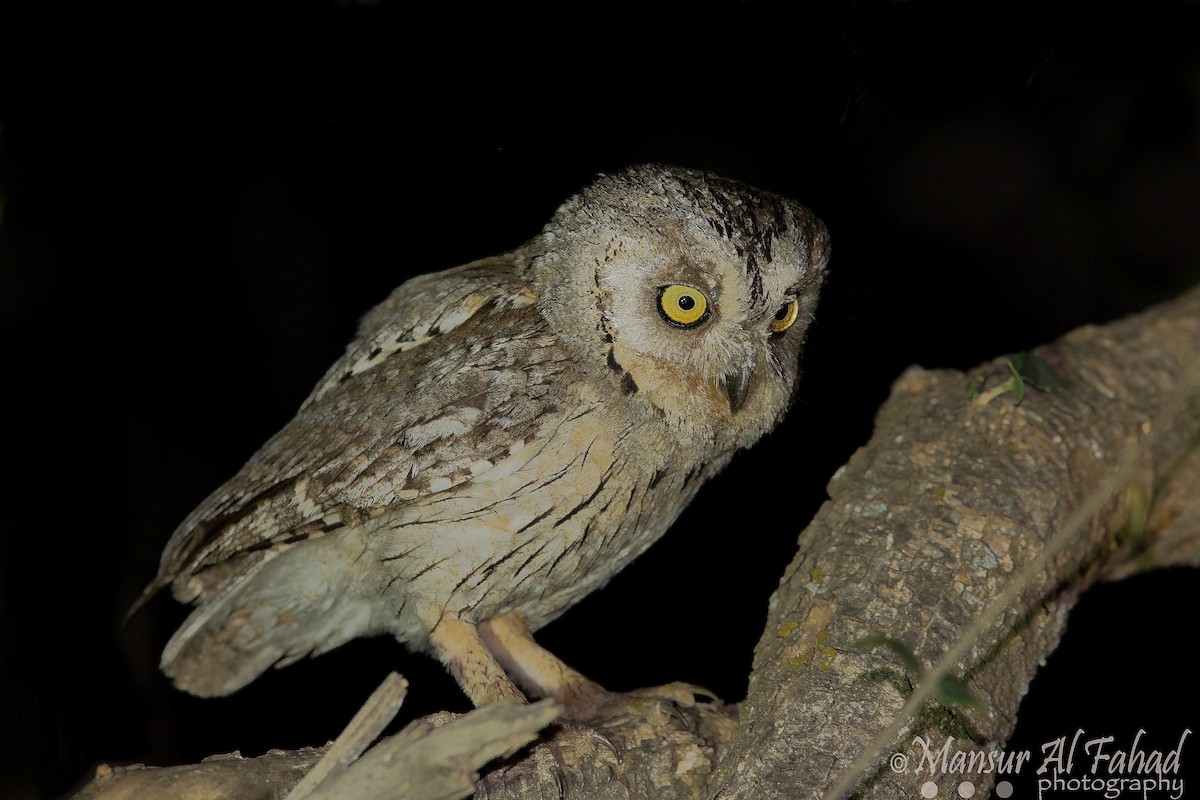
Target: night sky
x,y
197,206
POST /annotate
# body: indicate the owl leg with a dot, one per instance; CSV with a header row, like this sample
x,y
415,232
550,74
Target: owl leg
x,y
543,674
458,646
537,669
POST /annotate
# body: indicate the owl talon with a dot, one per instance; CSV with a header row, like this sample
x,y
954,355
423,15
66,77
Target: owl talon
x,y
681,694
508,639
674,700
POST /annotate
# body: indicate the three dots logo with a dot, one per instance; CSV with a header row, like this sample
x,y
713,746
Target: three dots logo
x,y
964,789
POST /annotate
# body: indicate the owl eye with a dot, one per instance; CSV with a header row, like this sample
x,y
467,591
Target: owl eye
x,y
785,316
682,306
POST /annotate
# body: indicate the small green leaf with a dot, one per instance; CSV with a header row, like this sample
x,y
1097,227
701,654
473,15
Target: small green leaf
x,y
1139,512
976,385
1016,385
1026,368
902,651
953,692
1036,372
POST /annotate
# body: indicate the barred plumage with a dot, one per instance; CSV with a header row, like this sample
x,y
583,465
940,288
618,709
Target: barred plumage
x,y
501,438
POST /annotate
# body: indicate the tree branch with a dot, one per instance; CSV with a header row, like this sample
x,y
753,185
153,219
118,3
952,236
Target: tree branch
x,y
949,501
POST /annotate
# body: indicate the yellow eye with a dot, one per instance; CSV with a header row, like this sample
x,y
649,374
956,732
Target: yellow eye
x,y
785,316
682,306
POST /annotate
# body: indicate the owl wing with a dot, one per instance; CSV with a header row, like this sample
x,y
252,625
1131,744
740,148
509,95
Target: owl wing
x,y
445,379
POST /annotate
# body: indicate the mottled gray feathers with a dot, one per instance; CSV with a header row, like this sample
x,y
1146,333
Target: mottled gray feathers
x,y
503,437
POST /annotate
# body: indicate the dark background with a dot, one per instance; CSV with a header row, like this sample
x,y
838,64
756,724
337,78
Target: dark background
x,y
198,205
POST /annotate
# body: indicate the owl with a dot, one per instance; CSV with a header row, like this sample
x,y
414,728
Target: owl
x,y
502,437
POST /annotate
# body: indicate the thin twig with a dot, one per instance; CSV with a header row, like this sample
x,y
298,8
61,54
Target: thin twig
x,y
366,726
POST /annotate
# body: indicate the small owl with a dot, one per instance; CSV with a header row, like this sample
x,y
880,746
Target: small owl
x,y
501,438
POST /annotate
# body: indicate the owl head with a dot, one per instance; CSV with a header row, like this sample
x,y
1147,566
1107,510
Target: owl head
x,y
694,293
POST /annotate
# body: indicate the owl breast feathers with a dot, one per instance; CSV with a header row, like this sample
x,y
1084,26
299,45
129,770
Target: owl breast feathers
x,y
503,437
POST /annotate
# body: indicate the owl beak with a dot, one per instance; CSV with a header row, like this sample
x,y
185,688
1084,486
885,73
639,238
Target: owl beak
x,y
736,386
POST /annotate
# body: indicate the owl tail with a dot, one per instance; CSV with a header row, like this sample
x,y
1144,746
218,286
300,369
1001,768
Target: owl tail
x,y
277,610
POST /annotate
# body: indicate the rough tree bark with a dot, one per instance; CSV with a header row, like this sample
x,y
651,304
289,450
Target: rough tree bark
x,y
965,526
929,522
